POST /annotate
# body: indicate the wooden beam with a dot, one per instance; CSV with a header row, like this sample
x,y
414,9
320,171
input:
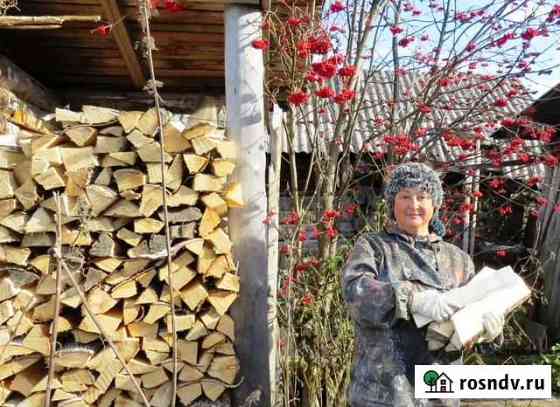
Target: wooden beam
x,y
245,125
43,22
26,87
187,3
120,34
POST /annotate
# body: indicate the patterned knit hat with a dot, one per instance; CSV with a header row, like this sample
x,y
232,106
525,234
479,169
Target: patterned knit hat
x,y
416,175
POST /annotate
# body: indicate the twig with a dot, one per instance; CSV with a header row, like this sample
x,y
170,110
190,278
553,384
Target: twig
x,y
155,94
58,280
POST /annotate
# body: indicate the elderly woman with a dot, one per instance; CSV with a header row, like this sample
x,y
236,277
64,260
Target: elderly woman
x,y
406,269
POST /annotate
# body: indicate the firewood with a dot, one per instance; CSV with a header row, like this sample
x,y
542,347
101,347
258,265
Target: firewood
x,y
190,374
216,203
129,179
145,278
60,395
154,172
84,337
71,298
76,158
151,153
128,120
205,360
182,215
10,159
224,368
34,400
73,357
195,163
81,135
110,321
194,294
183,231
116,131
148,296
234,196
156,345
129,237
203,145
109,162
174,141
22,170
17,365
45,311
142,330
218,267
227,149
183,196
26,194
174,175
7,236
105,145
221,300
42,384
104,246
66,115
222,168
208,183
182,322
162,396
53,156
98,115
131,267
189,393
50,179
156,358
229,282
131,195
15,221
152,199
147,225
210,220
6,311
220,241
8,184
75,237
126,157
156,312
7,206
14,255
93,278
164,297
198,130
187,351
99,301
148,122
124,382
227,326
197,331
154,378
138,367
137,139
46,286
212,389
123,209
225,348
210,318
38,240
109,264
103,224
41,263
126,289
131,311
215,338
205,260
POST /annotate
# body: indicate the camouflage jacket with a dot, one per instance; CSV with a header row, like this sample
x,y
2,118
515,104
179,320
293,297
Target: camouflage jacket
x,y
378,279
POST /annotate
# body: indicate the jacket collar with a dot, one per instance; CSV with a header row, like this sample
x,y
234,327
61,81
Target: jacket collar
x,y
392,229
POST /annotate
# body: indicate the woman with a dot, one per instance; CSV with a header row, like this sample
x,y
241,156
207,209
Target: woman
x,y
406,269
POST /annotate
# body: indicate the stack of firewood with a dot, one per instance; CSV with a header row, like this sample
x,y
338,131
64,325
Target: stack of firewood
x,y
106,166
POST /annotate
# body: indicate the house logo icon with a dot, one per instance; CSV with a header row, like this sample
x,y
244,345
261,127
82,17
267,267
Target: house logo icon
x,y
438,383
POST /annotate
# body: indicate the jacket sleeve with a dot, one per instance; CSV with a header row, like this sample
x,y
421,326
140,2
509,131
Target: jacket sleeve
x,y
372,302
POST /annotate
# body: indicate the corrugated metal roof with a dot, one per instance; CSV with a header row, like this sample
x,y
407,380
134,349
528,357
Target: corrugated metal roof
x,y
467,97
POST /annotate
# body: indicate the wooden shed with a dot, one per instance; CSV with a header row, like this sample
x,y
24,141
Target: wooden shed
x,y
203,49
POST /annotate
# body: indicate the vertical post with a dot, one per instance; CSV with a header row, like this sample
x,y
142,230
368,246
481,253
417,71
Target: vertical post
x,y
244,74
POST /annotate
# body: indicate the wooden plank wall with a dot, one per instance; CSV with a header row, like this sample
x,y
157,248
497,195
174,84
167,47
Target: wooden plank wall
x,y
190,43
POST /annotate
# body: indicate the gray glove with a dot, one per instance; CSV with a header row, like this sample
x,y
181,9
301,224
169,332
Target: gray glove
x,y
493,326
433,304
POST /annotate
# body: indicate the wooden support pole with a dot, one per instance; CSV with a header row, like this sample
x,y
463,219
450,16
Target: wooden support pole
x,y
26,87
120,34
43,22
245,125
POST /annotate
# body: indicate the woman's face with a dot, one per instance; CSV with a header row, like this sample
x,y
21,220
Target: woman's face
x,y
414,210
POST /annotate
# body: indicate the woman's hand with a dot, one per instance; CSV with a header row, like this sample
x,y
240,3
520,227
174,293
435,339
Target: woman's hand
x,y
433,304
493,326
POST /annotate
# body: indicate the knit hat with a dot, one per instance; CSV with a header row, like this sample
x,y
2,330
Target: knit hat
x,y
416,175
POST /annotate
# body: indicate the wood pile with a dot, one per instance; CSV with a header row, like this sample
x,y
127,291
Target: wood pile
x,y
106,165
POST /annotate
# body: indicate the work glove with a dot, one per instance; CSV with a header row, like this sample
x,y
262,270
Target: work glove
x,y
433,304
493,326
